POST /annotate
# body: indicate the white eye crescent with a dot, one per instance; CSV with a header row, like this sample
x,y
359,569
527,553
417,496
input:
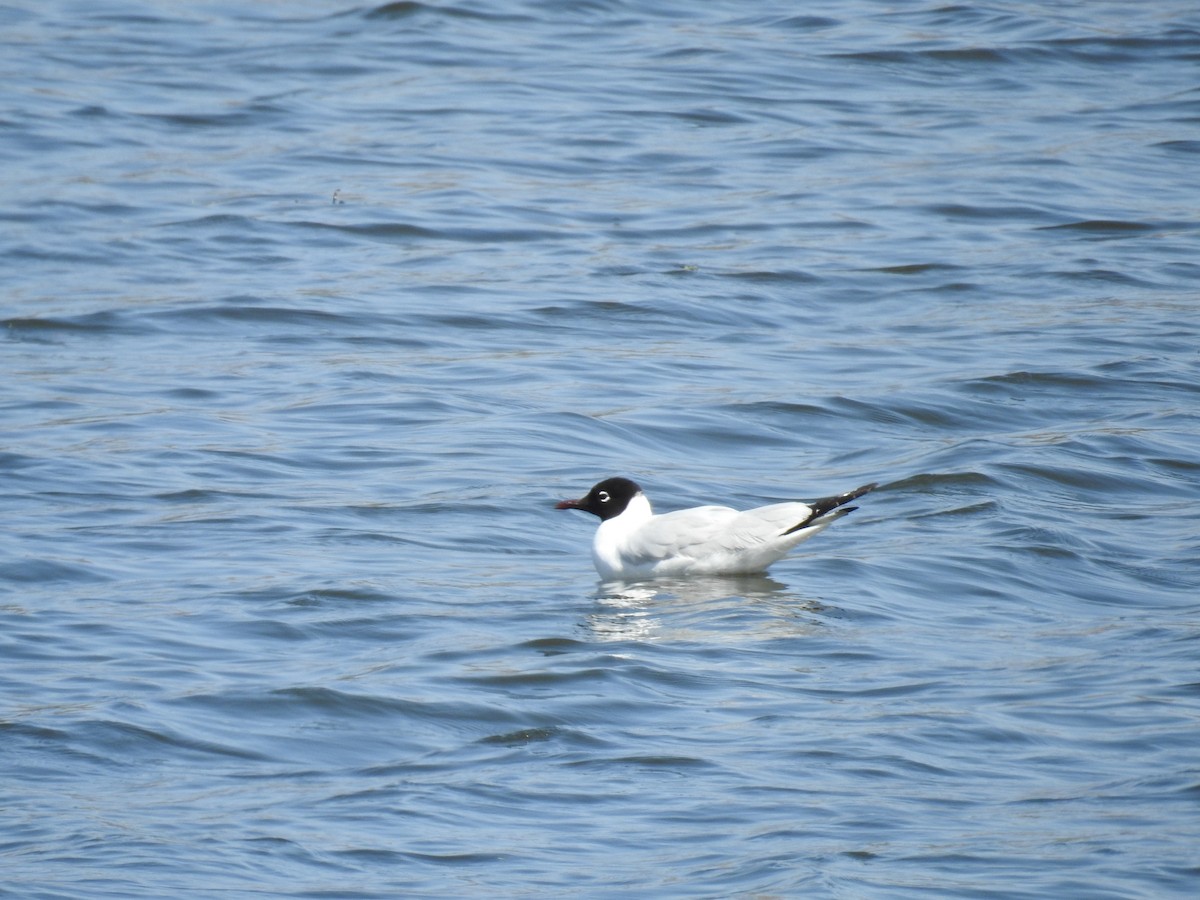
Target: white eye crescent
x,y
603,495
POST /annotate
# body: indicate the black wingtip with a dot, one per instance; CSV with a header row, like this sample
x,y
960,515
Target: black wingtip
x,y
827,505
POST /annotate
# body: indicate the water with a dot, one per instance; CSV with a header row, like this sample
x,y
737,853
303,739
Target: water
x,y
312,310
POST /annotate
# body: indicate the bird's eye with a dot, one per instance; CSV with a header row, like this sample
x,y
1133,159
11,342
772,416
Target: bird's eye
x,y
603,495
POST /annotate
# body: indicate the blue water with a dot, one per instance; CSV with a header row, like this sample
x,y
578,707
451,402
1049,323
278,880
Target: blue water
x,y
311,311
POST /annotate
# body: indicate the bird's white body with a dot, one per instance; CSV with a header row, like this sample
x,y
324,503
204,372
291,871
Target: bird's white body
x,y
704,540
633,543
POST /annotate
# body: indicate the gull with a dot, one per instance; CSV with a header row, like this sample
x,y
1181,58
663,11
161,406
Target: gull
x,y
633,543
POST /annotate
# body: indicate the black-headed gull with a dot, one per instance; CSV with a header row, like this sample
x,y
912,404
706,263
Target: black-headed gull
x,y
632,542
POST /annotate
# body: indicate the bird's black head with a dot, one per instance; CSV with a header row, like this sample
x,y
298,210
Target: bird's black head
x,y
607,499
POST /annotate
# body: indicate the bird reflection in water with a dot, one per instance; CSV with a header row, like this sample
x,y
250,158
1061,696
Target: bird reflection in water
x,y
745,607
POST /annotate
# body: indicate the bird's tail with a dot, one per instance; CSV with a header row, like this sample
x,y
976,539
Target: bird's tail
x,y
821,509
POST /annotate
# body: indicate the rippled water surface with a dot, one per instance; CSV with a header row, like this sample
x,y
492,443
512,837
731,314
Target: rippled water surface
x,y
311,311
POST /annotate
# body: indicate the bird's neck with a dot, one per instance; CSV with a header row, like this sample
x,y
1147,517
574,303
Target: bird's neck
x,y
636,513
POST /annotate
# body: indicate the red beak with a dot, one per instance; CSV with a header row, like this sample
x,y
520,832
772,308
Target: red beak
x,y
567,504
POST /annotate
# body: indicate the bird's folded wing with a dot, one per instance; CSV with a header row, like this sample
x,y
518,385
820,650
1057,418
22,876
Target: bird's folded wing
x,y
684,533
768,522
707,530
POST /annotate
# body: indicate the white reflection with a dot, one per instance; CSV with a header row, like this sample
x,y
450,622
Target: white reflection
x,y
624,614
744,607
